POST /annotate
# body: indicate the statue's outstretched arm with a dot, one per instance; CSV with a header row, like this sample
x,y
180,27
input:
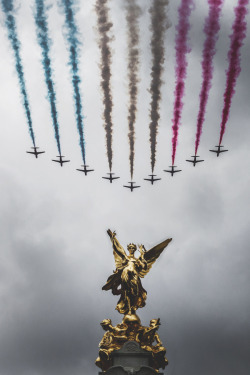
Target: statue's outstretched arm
x,y
117,247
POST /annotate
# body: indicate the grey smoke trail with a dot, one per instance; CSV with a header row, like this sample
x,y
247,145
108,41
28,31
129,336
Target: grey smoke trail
x,y
104,25
159,25
132,17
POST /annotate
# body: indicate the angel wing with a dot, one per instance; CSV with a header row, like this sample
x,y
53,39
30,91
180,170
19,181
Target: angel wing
x,y
118,251
151,255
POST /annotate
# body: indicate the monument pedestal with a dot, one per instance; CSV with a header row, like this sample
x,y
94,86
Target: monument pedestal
x,y
131,360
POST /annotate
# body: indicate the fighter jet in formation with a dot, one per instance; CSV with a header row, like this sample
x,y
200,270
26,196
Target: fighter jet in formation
x,y
85,169
219,151
35,152
110,178
172,170
152,179
195,161
60,160
131,186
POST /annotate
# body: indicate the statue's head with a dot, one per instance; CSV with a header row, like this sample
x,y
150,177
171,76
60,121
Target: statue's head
x,y
155,323
131,248
105,324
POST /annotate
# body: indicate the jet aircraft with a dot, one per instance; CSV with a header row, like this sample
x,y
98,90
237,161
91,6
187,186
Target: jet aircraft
x,y
195,161
219,150
132,186
60,160
85,169
110,178
172,170
152,179
35,152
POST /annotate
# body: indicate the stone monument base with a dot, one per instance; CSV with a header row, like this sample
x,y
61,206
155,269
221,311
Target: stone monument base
x,y
131,360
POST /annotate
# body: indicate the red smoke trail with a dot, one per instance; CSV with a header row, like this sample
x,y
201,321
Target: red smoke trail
x,y
237,37
211,29
181,48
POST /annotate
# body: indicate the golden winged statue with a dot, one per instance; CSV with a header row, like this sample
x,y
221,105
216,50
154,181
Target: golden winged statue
x,y
126,279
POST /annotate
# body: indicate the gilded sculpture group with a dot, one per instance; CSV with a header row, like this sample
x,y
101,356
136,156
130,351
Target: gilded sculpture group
x,y
126,282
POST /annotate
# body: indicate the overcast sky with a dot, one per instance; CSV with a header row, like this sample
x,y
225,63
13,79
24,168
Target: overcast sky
x,y
55,252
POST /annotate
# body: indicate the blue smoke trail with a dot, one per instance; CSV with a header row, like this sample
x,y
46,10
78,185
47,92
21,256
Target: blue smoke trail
x,y
8,9
44,41
73,45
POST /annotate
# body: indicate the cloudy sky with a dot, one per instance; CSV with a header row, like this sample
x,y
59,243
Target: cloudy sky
x,y
55,253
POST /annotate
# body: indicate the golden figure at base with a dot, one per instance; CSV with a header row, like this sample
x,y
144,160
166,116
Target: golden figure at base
x,y
126,282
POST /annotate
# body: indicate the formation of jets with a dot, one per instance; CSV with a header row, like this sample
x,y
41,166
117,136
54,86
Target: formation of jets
x,y
195,161
85,169
35,152
110,178
172,170
218,151
151,177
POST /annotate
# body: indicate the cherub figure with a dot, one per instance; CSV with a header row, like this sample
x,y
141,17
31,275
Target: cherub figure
x,y
128,273
113,339
150,341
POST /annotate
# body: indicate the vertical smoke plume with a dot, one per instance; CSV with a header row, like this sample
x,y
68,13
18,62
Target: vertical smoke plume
x,y
8,9
211,30
181,48
237,37
44,41
158,27
104,25
133,13
73,45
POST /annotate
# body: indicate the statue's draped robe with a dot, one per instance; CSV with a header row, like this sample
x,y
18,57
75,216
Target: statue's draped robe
x,y
133,295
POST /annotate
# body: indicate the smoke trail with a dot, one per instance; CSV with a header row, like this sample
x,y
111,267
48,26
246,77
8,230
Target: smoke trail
x,y
133,13
73,43
181,49
211,29
44,41
8,9
158,27
104,26
237,37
